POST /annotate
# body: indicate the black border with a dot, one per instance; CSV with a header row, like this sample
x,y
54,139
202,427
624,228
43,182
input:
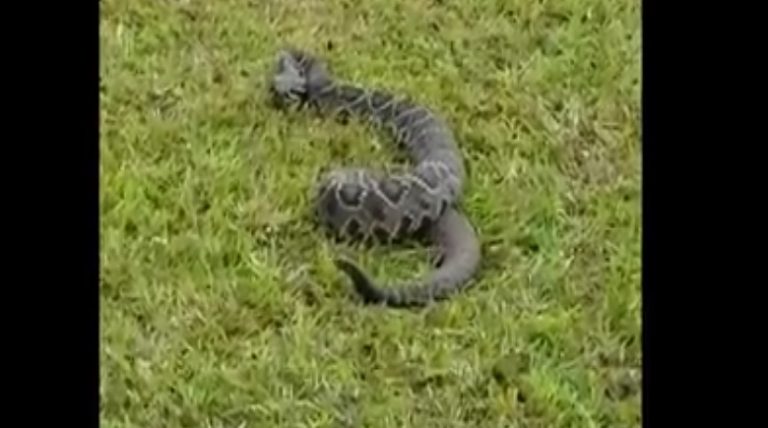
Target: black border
x,y
657,134
54,176
686,62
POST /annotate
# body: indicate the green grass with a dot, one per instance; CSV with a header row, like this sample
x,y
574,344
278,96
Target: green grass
x,y
220,303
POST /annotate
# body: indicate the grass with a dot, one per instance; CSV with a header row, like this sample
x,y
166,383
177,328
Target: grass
x,y
220,303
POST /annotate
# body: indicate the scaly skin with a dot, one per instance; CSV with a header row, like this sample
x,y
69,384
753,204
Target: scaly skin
x,y
356,203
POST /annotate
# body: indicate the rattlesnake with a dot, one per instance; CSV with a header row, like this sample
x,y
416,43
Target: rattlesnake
x,y
356,203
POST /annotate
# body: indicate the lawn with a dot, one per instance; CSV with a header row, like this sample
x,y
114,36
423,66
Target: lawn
x,y
220,303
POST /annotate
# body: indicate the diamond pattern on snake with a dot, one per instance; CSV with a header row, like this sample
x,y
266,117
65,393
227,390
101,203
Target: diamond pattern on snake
x,y
366,204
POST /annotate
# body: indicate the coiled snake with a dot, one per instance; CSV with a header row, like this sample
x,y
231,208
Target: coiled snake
x,y
365,204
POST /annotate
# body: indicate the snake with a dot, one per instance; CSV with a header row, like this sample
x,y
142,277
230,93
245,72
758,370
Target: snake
x,y
420,202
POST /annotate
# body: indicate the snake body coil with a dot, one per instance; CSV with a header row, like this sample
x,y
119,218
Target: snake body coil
x,y
357,203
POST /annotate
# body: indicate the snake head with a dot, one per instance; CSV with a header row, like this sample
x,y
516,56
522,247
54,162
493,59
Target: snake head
x,y
288,84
